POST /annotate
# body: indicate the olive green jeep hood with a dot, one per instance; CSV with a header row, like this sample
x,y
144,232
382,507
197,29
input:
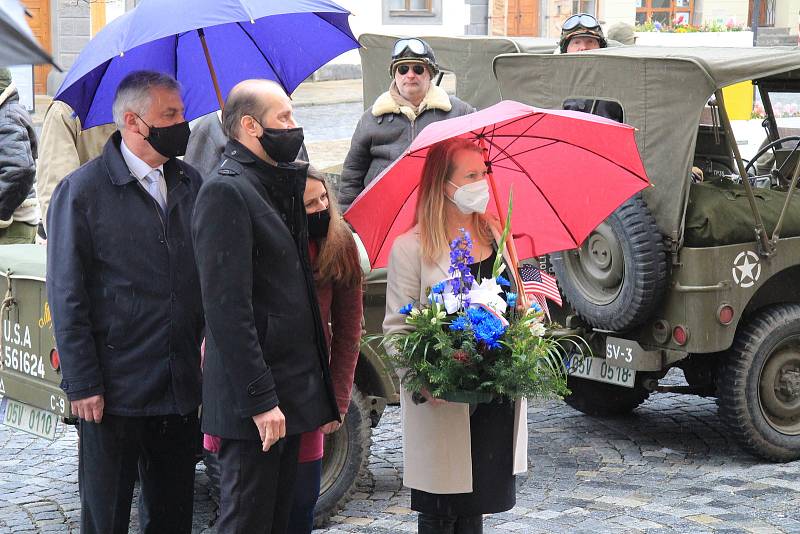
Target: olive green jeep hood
x,y
24,261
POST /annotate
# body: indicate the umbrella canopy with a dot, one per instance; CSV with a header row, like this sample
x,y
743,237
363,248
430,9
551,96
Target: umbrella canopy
x,y
569,171
17,44
280,40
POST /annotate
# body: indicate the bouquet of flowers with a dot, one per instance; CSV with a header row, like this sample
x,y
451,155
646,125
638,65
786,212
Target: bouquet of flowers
x,y
471,342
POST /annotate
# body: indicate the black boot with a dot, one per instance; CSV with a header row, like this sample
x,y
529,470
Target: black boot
x,y
469,524
435,524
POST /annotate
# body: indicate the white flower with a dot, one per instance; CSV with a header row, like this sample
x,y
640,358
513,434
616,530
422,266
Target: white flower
x,y
538,329
488,293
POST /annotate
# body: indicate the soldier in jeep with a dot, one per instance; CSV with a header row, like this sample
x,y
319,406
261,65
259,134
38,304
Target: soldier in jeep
x,y
397,116
583,32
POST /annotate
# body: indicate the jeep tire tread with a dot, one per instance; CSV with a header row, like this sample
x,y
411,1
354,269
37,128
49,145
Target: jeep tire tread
x,y
346,460
610,292
760,406
604,400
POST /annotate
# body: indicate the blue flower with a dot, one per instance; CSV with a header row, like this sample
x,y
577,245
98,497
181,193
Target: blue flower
x,y
487,328
460,324
658,26
502,281
405,310
438,288
535,307
511,299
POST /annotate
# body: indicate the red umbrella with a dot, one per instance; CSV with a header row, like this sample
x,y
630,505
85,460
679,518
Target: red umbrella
x,y
569,171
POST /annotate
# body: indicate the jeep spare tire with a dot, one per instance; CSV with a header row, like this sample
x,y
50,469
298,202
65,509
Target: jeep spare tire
x,y
617,276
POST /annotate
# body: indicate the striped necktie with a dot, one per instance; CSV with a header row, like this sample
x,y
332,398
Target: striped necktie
x,y
153,187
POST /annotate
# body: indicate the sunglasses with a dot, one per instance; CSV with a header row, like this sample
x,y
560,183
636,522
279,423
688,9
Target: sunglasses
x,y
418,69
583,20
415,45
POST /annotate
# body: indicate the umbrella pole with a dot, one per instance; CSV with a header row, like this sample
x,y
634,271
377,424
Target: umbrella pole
x,y
522,298
202,35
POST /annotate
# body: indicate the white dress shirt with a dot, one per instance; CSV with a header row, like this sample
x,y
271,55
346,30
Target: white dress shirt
x,y
139,169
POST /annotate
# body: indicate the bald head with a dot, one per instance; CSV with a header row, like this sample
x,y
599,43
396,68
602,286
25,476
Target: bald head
x,y
253,99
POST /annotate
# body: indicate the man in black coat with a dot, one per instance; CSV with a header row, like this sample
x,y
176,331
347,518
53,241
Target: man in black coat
x,y
266,377
127,313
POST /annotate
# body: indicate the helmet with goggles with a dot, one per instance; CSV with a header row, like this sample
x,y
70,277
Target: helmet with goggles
x,y
413,50
581,25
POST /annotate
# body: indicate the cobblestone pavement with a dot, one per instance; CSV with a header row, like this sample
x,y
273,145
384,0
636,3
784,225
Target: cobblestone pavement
x,y
670,467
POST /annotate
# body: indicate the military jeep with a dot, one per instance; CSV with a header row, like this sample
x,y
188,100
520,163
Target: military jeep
x,y
30,369
699,275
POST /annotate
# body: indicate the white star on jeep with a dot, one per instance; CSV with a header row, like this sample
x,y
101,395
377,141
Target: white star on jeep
x,y
747,268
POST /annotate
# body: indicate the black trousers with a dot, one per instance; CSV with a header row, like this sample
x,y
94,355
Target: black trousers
x,y
256,487
163,451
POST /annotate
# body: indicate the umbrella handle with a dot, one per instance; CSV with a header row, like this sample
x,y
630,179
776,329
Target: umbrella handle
x,y
202,35
522,298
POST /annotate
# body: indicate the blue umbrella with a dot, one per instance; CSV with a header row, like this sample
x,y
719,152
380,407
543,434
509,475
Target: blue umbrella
x,y
281,40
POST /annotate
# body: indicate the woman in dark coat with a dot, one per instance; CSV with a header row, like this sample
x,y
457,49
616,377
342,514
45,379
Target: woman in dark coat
x,y
337,276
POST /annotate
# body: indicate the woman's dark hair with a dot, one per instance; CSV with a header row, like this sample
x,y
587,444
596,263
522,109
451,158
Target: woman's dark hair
x,y
338,261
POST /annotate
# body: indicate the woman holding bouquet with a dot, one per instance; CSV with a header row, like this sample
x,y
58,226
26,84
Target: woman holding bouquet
x,y
459,461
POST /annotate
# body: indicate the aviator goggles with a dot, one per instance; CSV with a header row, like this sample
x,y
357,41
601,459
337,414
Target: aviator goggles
x,y
584,20
415,45
418,69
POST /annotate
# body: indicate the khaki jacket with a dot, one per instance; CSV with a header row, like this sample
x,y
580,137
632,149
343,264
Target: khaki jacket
x,y
63,147
437,455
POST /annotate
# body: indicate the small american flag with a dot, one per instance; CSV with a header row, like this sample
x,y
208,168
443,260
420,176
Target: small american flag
x,y
538,285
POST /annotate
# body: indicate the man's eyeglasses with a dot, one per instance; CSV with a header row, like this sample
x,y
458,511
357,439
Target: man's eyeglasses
x,y
583,20
418,69
415,45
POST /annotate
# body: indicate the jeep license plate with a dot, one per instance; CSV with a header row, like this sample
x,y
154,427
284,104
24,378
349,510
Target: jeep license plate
x,y
29,419
600,371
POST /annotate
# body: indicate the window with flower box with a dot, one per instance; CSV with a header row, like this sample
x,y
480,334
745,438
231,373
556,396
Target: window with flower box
x,y
666,12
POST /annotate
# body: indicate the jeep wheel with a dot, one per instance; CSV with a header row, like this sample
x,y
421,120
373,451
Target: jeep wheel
x,y
759,384
345,461
604,400
615,279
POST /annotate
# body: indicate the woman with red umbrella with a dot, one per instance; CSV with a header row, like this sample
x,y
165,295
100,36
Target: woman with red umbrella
x,y
459,465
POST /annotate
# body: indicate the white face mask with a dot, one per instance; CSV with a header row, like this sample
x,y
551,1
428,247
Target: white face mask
x,y
471,198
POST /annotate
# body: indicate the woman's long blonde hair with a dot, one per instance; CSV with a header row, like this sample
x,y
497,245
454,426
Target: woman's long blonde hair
x,y
337,262
430,214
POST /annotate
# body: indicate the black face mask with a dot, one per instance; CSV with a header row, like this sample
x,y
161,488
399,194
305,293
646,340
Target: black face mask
x,y
281,144
169,141
318,224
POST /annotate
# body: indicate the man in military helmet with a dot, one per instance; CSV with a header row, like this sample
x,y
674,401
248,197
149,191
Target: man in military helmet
x,y
579,33
387,128
623,33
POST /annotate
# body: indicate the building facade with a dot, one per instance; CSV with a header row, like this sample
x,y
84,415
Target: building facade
x,y
543,18
63,27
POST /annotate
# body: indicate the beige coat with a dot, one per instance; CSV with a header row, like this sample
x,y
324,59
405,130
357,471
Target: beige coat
x,y
63,147
437,455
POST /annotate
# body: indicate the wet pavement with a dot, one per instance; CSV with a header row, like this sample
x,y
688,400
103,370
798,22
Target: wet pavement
x,y
669,467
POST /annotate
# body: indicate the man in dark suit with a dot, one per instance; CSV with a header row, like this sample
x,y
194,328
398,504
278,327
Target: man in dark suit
x,y
266,377
127,313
